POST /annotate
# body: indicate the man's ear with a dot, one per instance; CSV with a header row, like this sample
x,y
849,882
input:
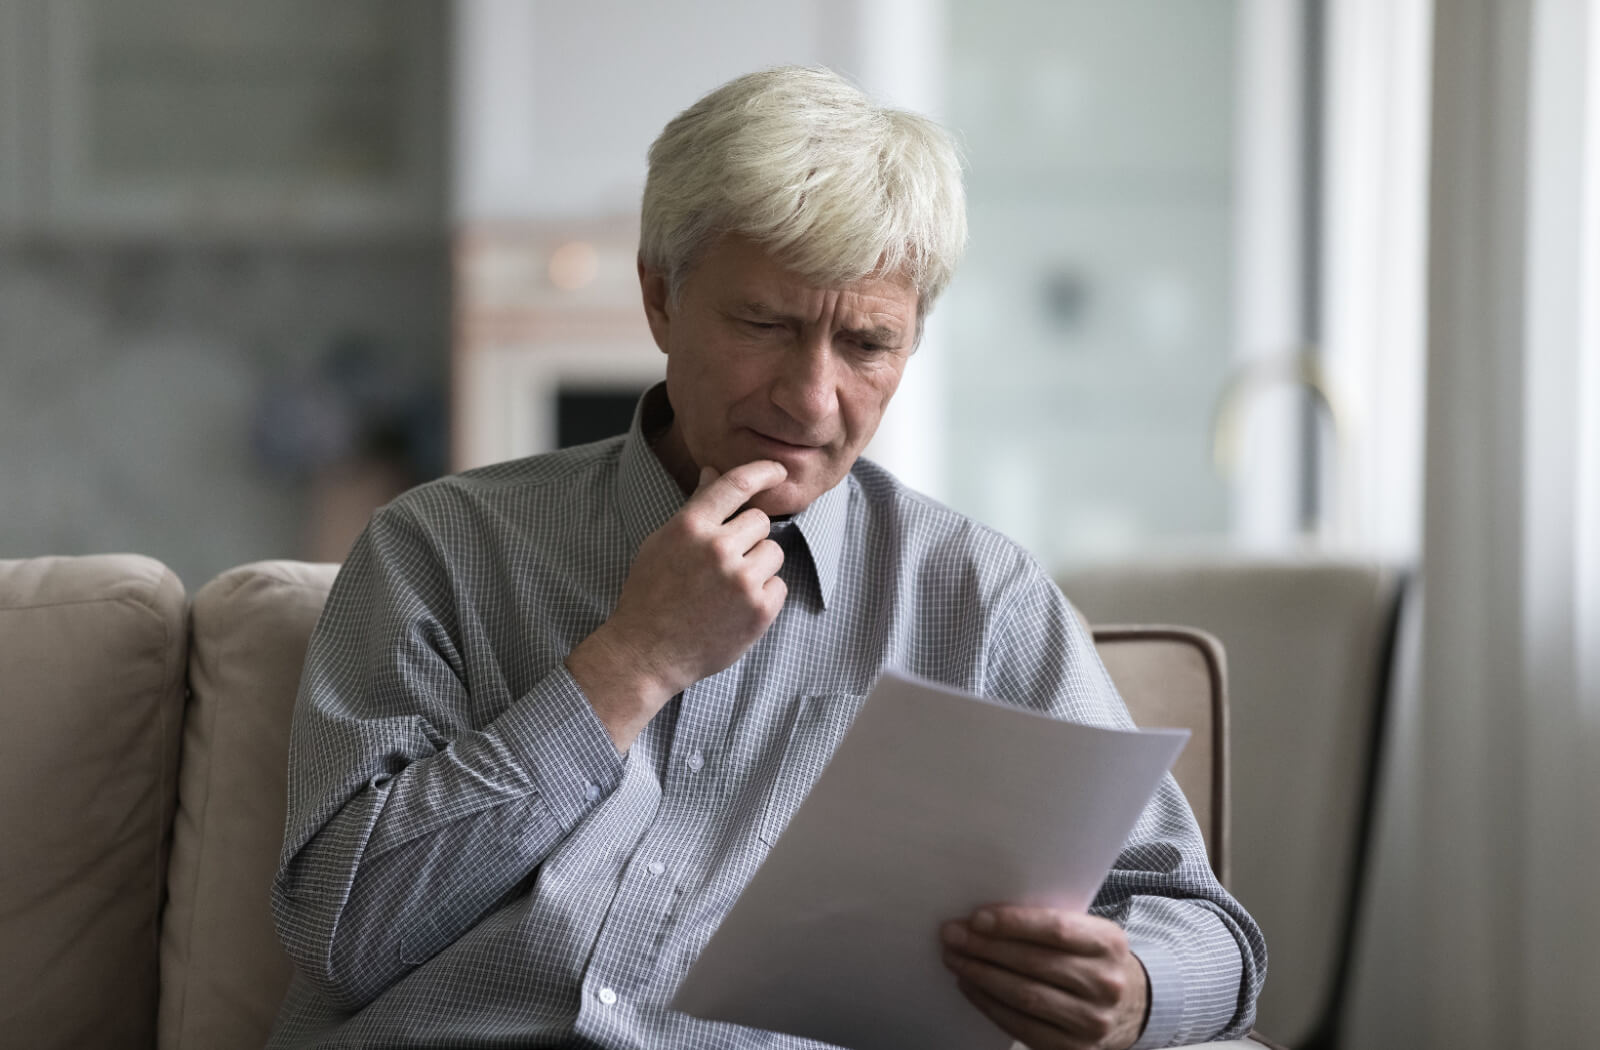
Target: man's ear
x,y
653,287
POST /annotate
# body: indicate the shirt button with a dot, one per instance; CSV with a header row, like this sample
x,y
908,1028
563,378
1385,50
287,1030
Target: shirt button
x,y
591,791
655,867
607,996
697,762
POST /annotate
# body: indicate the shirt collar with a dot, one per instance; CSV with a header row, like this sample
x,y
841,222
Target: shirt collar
x,y
647,495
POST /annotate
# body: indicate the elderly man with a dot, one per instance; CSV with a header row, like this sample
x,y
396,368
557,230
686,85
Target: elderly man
x,y
558,709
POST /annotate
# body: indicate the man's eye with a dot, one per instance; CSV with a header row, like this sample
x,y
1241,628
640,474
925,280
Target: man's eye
x,y
763,326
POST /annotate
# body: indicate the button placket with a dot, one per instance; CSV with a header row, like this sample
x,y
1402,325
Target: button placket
x,y
643,901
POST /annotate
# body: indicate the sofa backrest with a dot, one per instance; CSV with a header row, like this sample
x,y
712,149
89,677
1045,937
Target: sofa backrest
x,y
1308,642
91,693
222,971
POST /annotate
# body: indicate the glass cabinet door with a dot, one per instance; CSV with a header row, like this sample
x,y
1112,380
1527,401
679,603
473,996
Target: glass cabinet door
x,y
1090,330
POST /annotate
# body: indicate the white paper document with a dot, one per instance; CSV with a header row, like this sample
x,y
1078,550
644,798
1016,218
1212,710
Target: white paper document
x,y
935,802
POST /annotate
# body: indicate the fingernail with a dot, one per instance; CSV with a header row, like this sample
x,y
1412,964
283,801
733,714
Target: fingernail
x,y
954,934
983,921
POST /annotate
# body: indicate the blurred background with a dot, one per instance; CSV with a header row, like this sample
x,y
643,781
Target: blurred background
x,y
264,265
1251,282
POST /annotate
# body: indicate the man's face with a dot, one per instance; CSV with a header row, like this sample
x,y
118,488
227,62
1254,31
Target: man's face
x,y
762,365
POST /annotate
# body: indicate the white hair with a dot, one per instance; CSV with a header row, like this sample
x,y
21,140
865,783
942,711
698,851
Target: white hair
x,y
800,161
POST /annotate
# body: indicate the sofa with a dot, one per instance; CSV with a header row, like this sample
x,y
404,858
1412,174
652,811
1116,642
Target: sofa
x,y
142,799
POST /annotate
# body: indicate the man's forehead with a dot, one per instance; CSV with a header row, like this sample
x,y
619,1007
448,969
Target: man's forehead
x,y
783,290
746,261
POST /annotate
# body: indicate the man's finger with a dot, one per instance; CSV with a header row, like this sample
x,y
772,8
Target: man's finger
x,y
1032,1032
1068,931
1041,1001
765,559
777,591
737,487
746,529
1074,973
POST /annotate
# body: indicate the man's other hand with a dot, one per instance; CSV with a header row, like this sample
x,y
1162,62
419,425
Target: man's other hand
x,y
1054,979
703,589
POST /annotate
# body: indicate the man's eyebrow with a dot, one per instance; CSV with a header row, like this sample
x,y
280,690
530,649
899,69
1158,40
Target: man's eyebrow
x,y
760,309
876,334
885,334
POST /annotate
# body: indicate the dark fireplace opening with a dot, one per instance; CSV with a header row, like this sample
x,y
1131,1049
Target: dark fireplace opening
x,y
592,413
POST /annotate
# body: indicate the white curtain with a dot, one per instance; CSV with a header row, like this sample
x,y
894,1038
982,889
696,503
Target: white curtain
x,y
1486,932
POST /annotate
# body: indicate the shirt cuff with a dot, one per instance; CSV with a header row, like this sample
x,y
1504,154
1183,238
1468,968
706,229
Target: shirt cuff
x,y
1166,994
556,735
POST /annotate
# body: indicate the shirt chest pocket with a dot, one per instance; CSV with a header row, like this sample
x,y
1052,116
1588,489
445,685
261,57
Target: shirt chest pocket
x,y
820,723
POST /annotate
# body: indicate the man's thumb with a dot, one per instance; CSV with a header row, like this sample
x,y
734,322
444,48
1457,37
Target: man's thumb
x,y
707,476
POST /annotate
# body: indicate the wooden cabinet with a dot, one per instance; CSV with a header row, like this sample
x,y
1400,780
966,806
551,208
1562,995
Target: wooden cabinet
x,y
223,117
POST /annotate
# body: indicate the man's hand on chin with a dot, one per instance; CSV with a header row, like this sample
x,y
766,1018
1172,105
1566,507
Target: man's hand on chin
x,y
703,588
1054,979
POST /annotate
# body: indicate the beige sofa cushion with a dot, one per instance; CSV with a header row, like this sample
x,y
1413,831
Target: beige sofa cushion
x,y
1176,678
92,661
223,973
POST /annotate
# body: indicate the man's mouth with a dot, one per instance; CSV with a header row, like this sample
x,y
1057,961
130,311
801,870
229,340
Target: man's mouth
x,y
798,446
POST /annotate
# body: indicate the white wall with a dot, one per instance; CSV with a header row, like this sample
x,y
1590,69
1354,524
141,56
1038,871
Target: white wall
x,y
558,102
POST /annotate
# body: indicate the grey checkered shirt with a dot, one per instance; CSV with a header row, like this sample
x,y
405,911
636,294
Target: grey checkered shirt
x,y
468,862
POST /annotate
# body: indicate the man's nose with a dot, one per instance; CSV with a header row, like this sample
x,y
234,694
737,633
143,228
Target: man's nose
x,y
805,386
